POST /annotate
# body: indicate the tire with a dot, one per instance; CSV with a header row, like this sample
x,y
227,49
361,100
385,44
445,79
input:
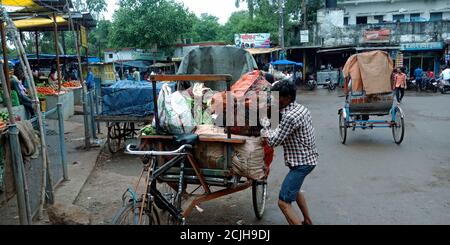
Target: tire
x,y
398,130
331,87
114,145
259,195
169,193
114,139
126,216
342,127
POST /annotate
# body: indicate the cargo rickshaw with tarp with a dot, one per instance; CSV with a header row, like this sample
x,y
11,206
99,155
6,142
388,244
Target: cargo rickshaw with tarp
x,y
191,160
368,93
126,106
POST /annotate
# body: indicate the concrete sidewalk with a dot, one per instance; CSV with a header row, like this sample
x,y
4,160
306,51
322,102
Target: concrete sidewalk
x,y
80,164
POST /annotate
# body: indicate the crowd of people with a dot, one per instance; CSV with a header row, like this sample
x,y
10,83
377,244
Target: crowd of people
x,y
135,75
424,78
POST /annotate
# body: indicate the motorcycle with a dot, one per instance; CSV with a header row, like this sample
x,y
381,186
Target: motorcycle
x,y
329,85
430,84
444,85
311,83
411,83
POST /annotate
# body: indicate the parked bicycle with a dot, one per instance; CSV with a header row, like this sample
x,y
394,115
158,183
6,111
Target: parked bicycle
x,y
141,209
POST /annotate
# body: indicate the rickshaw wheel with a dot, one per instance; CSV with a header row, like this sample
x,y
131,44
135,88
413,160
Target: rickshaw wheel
x,y
259,194
114,139
342,127
129,215
398,126
114,145
170,193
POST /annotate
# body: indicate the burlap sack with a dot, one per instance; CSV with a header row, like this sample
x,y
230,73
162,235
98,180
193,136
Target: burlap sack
x,y
248,158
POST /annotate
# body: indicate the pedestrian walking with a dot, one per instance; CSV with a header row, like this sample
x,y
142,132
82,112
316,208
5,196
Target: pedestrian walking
x,y
400,84
418,74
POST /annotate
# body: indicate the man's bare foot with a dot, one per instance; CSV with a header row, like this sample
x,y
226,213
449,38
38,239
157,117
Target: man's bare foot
x,y
305,222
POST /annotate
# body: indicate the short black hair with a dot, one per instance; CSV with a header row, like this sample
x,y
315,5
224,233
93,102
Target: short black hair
x,y
269,78
286,88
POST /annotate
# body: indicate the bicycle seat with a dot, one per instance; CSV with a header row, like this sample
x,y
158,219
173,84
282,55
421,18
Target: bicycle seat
x,y
183,139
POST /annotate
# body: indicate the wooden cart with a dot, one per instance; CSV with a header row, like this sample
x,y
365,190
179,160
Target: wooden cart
x,y
121,128
216,181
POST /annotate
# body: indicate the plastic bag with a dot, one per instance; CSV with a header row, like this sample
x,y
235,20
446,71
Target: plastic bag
x,y
174,112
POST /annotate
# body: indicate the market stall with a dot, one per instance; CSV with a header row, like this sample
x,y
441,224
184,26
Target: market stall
x,y
34,184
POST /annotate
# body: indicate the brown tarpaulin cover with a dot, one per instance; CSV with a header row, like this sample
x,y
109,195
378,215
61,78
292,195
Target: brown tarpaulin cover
x,y
370,71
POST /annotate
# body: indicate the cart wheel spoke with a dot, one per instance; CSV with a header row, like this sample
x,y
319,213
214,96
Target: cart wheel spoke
x,y
259,194
398,126
342,127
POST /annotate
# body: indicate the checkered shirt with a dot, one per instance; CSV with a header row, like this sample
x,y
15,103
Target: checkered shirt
x,y
296,133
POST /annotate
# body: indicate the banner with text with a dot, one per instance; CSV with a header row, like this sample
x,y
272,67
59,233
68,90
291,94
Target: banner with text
x,y
252,40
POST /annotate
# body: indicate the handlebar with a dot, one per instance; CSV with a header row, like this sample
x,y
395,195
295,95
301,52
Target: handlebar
x,y
179,151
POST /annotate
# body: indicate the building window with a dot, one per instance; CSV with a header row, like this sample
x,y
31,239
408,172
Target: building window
x,y
361,20
435,16
379,18
414,17
110,56
346,21
398,17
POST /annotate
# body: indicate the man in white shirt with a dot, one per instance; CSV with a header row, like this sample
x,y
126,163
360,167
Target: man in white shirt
x,y
136,75
445,74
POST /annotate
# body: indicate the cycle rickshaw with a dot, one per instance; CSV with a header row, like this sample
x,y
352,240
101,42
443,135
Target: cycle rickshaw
x,y
369,93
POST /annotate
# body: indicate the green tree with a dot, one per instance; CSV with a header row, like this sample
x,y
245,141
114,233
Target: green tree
x,y
206,28
143,23
96,6
250,5
265,20
99,37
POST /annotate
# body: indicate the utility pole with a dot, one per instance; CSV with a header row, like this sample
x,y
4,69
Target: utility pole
x,y
281,28
304,14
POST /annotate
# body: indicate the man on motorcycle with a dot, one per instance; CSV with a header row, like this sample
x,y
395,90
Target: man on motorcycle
x,y
445,79
445,74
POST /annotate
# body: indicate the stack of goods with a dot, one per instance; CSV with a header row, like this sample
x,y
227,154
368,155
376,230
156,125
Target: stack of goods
x,y
199,99
248,159
46,91
4,117
249,87
72,84
193,111
130,98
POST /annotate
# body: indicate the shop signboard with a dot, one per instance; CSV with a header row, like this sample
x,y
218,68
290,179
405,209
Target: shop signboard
x,y
252,40
84,42
377,36
421,46
304,36
149,56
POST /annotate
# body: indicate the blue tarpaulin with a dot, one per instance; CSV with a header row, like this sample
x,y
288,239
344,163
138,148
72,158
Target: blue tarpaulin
x,y
286,62
130,98
33,57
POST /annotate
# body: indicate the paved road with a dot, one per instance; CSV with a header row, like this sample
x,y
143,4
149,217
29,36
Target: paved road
x,y
370,180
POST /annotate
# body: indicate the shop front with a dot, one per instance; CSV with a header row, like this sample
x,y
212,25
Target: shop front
x,y
427,56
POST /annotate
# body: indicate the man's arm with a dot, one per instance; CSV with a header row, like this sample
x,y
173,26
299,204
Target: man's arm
x,y
285,128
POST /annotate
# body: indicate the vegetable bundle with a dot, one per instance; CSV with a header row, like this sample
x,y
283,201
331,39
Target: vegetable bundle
x,y
45,90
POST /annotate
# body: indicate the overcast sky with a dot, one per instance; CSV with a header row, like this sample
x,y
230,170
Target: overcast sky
x,y
220,8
